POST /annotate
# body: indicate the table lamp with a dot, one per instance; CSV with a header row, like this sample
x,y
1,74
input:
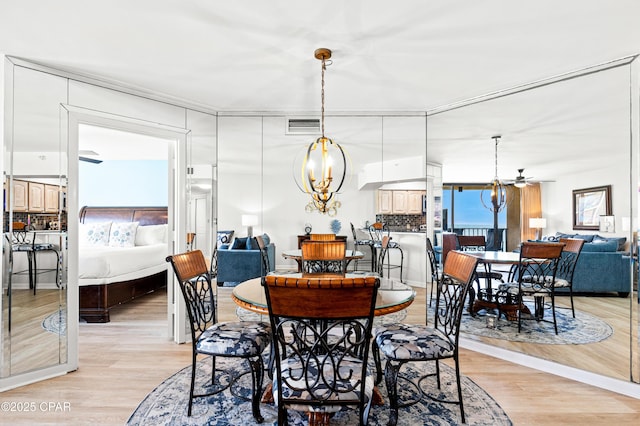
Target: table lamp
x,y
538,223
249,220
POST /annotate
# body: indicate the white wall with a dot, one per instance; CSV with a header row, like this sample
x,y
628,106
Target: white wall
x,y
557,197
256,174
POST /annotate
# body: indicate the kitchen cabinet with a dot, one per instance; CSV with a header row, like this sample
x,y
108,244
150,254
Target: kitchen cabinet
x,y
385,202
51,198
36,197
20,195
399,202
414,202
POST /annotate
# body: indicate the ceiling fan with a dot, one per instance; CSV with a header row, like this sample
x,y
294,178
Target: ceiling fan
x,y
520,181
85,155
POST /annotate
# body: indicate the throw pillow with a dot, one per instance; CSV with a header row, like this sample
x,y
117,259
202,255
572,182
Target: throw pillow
x,y
151,234
123,234
266,239
94,234
239,244
252,244
224,237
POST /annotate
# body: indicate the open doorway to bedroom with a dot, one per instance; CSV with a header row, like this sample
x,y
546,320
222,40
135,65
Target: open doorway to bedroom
x,y
123,200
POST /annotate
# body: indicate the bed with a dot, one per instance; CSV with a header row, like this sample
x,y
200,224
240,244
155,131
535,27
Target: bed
x,y
122,253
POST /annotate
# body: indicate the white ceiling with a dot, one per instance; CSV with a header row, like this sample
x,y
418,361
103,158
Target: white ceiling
x,y
257,55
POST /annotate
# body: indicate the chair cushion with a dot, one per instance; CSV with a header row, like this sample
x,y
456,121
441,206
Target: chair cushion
x,y
292,367
527,289
413,342
242,338
43,246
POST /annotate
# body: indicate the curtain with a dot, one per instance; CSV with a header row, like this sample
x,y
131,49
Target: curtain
x,y
530,207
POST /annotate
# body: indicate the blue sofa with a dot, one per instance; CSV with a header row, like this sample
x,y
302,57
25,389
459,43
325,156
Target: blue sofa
x,y
241,261
603,265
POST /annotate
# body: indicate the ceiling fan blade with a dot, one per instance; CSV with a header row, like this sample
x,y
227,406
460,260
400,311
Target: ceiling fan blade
x,y
90,160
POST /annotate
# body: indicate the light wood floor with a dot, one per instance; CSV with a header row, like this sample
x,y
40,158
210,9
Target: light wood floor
x,y
122,361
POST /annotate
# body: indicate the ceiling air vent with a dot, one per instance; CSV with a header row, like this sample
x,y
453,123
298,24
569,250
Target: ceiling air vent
x,y
303,126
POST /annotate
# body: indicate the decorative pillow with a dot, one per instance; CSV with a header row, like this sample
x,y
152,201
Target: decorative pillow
x,y
266,239
151,234
252,244
224,237
239,244
94,234
586,237
123,234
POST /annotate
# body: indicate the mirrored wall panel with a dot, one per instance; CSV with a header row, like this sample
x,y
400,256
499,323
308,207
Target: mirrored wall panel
x,y
568,134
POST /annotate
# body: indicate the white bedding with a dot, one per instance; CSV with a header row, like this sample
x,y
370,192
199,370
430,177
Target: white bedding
x,y
105,265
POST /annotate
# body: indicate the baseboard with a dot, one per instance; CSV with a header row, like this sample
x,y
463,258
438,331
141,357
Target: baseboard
x,y
593,379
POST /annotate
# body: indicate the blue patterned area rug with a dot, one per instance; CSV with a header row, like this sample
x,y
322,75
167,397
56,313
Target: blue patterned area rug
x,y
56,322
582,329
167,404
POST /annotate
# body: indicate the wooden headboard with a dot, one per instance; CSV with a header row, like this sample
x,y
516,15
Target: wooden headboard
x,y
144,215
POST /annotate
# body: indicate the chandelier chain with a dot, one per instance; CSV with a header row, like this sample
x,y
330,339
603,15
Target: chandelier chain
x,y
324,67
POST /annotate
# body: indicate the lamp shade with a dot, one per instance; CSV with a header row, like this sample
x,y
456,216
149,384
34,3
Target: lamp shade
x,y
249,220
537,223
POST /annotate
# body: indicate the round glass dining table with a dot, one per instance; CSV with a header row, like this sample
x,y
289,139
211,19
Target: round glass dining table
x,y
393,296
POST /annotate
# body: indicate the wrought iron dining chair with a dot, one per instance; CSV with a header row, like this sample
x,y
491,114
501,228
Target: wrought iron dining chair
x,y
324,257
242,339
378,231
321,332
567,265
322,237
478,243
436,272
535,274
403,343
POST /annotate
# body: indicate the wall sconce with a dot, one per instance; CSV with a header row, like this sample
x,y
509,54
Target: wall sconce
x,y
538,223
249,220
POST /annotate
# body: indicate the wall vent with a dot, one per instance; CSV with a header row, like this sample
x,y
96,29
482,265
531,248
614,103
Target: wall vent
x,y
303,126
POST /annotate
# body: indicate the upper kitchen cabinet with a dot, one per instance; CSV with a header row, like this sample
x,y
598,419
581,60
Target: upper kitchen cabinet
x,y
51,198
20,196
36,197
400,202
385,202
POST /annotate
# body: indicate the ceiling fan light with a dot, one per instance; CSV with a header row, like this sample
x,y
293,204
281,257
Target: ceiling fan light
x,y
520,184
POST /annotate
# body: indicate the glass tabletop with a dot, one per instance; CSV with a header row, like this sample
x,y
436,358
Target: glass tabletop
x,y
392,294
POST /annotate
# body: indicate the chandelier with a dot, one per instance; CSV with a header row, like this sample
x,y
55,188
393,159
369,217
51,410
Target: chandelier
x,y
498,191
324,166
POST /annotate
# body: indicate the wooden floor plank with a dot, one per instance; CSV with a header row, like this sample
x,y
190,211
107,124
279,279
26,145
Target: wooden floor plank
x,y
122,361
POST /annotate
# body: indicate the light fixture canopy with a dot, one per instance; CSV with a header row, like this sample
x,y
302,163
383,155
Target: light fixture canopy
x,y
497,189
520,181
324,166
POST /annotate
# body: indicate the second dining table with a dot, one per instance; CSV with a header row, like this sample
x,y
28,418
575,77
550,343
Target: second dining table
x,y
490,298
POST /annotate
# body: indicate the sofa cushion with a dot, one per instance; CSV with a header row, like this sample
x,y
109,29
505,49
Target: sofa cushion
x,y
601,246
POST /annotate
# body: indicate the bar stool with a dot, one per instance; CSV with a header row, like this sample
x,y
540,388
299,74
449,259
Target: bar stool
x,y
378,232
19,242
356,244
